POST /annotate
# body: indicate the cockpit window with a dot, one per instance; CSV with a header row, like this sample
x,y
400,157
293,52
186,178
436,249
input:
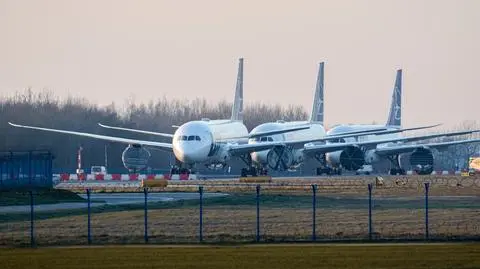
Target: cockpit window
x,y
189,138
265,139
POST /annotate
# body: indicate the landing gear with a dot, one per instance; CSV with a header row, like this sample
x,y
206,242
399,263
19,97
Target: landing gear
x,y
251,169
323,168
337,171
396,169
180,169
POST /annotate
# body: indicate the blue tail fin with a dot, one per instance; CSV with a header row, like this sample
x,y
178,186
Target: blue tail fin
x,y
317,109
237,108
395,115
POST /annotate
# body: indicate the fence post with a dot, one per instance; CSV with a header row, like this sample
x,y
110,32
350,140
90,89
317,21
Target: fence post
x,y
145,192
370,228
30,168
89,233
32,235
258,214
200,226
314,212
427,185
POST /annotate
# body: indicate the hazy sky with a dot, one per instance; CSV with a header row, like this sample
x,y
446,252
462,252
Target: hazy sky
x,y
112,50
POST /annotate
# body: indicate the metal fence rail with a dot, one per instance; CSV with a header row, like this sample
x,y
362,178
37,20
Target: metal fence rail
x,y
257,214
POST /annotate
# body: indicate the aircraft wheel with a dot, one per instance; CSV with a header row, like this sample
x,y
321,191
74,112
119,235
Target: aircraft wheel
x,y
243,172
253,170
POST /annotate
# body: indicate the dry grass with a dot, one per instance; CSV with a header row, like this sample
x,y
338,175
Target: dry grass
x,y
282,257
238,223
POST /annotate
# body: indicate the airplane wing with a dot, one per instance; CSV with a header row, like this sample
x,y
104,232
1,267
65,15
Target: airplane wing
x,y
267,133
301,143
136,130
312,148
164,146
381,131
408,148
237,150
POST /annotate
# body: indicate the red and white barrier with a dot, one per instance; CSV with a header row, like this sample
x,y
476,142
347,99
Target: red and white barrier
x,y
122,177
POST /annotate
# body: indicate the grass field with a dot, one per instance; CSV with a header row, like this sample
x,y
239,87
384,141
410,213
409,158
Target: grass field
x,y
233,219
40,196
456,256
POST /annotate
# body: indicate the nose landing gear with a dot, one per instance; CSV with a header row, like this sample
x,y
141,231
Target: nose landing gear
x,y
181,169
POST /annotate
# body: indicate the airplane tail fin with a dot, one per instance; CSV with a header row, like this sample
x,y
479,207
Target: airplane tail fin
x,y
317,109
237,108
395,115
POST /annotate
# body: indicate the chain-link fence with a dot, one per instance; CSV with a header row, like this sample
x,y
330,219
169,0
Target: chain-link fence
x,y
401,209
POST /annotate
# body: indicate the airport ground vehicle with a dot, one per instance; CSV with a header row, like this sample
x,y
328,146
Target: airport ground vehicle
x,y
98,170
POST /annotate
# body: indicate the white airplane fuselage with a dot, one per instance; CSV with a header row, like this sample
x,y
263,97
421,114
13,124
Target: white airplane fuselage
x,y
315,131
205,141
333,158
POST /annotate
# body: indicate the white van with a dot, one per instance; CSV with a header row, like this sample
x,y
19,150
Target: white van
x,y
98,170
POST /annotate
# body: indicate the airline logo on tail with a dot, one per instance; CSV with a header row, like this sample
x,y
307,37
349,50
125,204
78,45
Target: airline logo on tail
x,y
395,116
317,109
237,109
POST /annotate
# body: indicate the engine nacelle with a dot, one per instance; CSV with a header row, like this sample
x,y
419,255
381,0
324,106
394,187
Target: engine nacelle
x,y
280,158
422,161
135,157
352,158
298,158
219,161
371,157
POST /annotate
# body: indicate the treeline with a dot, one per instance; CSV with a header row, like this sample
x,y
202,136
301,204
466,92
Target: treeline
x,y
77,114
457,156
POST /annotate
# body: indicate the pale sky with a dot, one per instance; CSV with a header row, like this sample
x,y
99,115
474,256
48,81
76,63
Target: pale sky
x,y
111,50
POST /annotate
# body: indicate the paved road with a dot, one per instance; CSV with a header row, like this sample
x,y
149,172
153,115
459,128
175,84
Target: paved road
x,y
110,199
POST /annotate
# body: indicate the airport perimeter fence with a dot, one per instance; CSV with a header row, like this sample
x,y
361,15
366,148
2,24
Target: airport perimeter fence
x,y
249,213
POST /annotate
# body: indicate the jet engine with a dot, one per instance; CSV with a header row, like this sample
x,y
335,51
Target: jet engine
x,y
422,161
280,158
351,158
135,157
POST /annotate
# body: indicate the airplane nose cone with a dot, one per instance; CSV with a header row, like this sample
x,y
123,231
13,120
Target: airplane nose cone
x,y
191,153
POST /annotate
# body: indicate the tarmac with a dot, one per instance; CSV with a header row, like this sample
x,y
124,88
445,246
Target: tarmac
x,y
109,199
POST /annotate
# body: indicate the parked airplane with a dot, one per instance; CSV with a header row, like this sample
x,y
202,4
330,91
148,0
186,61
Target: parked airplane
x,y
294,154
370,149
210,142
